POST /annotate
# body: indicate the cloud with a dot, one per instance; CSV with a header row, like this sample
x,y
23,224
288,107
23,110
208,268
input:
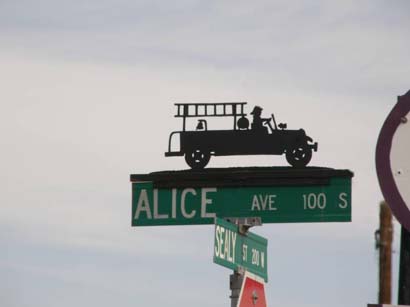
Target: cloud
x,y
350,47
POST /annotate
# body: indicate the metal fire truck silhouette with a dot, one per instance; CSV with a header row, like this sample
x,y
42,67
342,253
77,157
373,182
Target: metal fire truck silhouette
x,y
261,138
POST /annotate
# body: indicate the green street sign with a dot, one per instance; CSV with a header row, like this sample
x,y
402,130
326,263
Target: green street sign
x,y
234,250
276,195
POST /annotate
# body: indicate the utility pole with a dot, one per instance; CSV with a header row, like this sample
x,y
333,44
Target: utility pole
x,y
384,238
237,278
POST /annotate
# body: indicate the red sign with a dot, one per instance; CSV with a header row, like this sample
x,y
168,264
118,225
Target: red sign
x,y
252,292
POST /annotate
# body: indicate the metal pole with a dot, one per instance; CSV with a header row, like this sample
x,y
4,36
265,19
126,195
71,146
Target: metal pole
x,y
235,284
236,279
385,252
404,273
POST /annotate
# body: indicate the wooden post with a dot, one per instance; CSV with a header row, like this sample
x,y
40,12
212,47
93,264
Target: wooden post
x,y
385,253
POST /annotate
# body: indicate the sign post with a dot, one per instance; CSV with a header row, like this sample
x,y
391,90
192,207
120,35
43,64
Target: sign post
x,y
235,284
249,196
404,270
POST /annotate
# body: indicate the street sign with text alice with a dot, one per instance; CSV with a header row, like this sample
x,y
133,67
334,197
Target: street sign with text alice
x,y
234,250
187,198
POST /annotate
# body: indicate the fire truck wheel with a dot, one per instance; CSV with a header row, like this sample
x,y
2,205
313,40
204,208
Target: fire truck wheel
x,y
197,158
299,156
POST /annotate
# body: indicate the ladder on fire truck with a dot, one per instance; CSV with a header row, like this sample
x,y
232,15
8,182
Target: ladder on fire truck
x,y
218,109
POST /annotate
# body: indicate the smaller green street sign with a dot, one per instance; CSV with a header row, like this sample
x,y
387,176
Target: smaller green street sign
x,y
234,250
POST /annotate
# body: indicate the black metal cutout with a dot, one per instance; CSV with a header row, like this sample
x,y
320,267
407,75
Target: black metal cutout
x,y
260,139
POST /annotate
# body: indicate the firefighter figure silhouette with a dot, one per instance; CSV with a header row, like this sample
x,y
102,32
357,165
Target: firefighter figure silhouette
x,y
263,138
258,122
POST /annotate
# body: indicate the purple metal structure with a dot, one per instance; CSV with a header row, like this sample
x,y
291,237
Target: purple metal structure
x,y
387,183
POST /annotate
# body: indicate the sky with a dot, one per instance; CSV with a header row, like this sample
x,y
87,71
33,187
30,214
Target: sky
x,y
87,99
